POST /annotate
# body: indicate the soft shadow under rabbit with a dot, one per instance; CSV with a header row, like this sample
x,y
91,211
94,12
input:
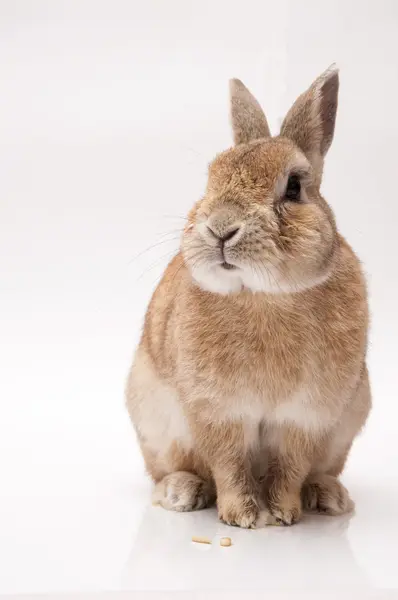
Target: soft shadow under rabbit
x,y
250,381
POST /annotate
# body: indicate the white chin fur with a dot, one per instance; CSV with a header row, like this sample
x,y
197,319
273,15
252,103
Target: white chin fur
x,y
215,279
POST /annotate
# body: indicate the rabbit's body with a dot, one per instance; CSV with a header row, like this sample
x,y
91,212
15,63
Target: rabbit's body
x,y
252,384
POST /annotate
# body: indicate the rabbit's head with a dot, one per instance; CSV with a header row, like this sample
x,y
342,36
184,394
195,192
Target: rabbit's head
x,y
262,224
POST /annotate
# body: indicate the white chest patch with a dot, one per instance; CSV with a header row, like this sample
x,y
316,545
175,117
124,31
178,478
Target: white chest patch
x,y
246,410
301,412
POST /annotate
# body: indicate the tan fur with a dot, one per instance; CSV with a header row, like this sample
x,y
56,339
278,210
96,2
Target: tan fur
x,y
252,380
248,120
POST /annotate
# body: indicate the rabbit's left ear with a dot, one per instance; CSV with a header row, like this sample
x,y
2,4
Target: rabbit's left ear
x,y
248,119
310,122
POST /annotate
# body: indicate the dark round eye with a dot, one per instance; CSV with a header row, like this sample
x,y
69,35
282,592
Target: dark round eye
x,y
293,189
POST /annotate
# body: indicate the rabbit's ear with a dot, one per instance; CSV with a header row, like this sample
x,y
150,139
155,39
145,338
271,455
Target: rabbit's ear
x,y
310,121
248,120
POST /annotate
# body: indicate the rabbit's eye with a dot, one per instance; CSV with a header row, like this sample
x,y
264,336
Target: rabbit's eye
x,y
293,189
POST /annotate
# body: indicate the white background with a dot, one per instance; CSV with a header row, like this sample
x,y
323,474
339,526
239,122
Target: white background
x,y
109,114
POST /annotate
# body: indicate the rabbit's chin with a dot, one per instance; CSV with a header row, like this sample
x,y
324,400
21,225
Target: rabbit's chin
x,y
217,279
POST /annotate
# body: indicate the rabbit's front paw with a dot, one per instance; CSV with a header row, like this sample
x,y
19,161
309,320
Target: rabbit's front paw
x,y
286,508
240,510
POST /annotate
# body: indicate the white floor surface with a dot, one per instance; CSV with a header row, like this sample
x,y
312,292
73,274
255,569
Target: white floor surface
x,y
76,517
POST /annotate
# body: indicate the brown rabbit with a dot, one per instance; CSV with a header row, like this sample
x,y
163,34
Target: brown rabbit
x,y
250,381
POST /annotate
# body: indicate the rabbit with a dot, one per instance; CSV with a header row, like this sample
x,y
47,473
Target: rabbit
x,y
250,382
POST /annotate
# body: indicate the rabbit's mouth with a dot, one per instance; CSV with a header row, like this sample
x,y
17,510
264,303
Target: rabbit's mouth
x,y
228,266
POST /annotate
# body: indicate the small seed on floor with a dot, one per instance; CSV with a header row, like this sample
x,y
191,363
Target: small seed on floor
x,y
225,541
200,540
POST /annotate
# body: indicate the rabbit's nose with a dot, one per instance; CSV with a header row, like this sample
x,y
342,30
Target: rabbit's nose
x,y
224,236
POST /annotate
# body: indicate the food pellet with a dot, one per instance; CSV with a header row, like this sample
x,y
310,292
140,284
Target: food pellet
x,y
200,540
225,542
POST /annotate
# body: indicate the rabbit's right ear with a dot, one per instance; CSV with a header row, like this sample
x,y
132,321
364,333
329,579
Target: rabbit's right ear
x,y
248,119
